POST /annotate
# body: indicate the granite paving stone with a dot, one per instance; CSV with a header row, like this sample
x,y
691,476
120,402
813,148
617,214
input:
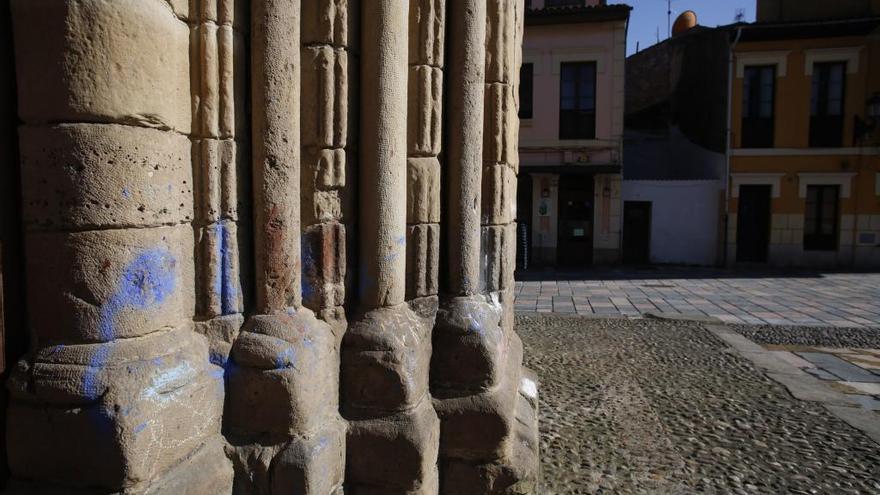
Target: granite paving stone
x,y
843,369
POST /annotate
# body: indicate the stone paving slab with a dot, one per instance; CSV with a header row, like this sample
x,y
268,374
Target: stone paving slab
x,y
792,359
776,298
822,374
865,388
844,370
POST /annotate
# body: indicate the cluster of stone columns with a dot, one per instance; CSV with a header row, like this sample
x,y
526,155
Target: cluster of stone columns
x,y
270,247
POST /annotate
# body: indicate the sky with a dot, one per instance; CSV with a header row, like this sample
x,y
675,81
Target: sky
x,y
650,15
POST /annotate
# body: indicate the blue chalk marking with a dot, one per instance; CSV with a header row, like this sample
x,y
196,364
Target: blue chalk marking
x,y
145,283
90,380
285,359
401,241
225,283
125,193
217,373
322,444
139,428
308,263
475,325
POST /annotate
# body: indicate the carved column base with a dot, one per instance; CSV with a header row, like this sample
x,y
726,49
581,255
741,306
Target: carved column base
x,y
283,405
123,399
469,346
517,471
395,454
393,431
486,402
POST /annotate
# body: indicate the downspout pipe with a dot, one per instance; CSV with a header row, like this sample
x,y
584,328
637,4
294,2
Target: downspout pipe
x,y
729,144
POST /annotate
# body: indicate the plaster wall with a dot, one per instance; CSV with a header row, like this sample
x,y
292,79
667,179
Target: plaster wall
x,y
684,218
548,46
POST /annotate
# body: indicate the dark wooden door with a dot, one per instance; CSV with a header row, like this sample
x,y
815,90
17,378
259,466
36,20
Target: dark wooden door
x,y
636,232
575,227
753,224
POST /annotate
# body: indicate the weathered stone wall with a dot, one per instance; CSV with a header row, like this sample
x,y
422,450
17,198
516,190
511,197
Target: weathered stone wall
x,y
269,248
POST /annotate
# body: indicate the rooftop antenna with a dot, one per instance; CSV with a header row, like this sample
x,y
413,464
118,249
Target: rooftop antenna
x,y
740,15
668,18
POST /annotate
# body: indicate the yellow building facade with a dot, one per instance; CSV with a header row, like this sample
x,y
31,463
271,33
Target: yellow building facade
x,y
804,159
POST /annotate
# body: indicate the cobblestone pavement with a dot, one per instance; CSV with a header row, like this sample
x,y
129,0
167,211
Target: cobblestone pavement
x,y
651,406
839,300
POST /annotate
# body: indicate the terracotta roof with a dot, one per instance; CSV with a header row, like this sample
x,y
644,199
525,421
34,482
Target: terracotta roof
x,y
577,14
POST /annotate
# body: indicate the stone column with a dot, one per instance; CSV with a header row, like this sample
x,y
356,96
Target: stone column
x,y
328,179
282,413
117,393
427,32
487,408
393,429
455,364
220,144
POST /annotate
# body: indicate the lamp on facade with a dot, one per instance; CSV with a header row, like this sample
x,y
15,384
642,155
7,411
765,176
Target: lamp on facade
x,y
865,127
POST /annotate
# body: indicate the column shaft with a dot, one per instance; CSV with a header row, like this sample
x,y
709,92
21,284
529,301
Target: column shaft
x,y
467,57
383,153
275,76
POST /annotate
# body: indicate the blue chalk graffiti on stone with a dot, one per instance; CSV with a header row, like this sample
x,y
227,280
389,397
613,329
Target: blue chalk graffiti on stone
x,y
308,263
476,324
145,284
286,359
225,282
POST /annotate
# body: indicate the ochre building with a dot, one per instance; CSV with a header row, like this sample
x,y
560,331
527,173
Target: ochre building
x,y
805,148
263,247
